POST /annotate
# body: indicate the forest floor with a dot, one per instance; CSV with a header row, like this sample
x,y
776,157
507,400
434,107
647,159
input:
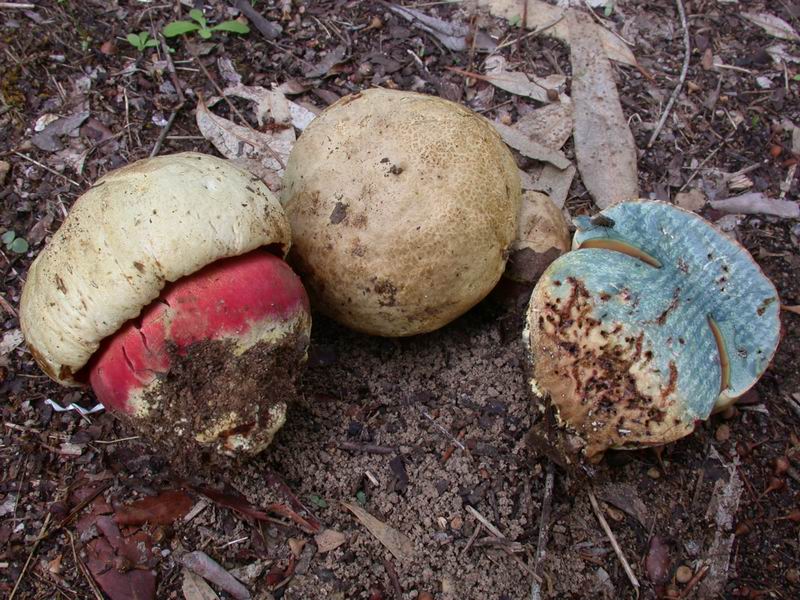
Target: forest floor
x,y
422,433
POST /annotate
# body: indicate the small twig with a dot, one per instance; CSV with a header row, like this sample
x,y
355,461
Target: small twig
x,y
30,556
604,26
694,581
530,34
472,538
366,448
267,28
444,430
84,503
46,168
23,5
614,544
485,522
181,99
164,131
684,69
705,161
84,569
544,528
392,573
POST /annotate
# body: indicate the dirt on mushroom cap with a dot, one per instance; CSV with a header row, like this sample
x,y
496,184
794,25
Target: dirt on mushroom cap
x,y
403,208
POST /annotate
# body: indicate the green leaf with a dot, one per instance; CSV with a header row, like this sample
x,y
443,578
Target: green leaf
x,y
179,28
318,502
8,237
361,496
796,77
515,21
151,44
19,245
197,15
205,33
143,35
232,26
608,8
134,40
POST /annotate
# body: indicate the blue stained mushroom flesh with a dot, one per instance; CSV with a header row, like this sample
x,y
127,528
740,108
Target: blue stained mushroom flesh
x,y
651,323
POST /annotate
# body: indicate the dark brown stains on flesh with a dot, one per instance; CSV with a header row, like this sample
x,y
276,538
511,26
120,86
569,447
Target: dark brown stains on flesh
x,y
339,213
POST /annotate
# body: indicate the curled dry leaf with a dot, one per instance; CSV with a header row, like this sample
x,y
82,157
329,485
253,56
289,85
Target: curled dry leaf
x,y
195,588
772,25
263,153
555,183
657,562
451,34
209,569
520,84
401,547
330,60
552,21
48,138
530,148
604,145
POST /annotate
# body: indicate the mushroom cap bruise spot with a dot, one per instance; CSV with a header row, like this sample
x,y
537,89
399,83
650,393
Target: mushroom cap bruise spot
x,y
625,348
138,228
403,209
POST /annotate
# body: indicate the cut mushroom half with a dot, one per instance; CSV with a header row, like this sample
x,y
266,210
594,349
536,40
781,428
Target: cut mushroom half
x,y
166,290
654,321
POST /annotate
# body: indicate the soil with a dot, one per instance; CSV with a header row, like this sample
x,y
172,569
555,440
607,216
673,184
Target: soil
x,y
419,432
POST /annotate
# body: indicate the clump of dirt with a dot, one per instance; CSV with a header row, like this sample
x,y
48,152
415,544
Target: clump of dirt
x,y
211,382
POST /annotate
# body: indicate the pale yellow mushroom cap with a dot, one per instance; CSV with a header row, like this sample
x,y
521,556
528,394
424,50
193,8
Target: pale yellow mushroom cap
x,y
138,228
403,209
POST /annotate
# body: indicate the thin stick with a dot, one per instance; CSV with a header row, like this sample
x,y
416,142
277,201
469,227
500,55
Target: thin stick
x,y
366,448
485,522
30,556
181,99
604,26
444,431
533,33
694,581
16,5
388,566
46,168
267,28
84,569
681,79
472,538
614,544
544,528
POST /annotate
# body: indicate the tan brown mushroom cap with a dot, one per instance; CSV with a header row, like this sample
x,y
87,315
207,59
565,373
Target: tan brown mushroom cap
x,y
136,229
403,208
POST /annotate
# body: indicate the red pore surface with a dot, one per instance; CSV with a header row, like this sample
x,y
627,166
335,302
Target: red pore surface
x,y
224,300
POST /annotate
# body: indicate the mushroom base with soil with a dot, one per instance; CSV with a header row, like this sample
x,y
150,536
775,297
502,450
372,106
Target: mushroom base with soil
x,y
211,364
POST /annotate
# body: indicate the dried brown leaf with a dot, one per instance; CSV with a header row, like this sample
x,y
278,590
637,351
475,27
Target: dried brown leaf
x,y
520,84
772,25
604,146
195,588
401,547
156,510
209,569
329,539
552,20
530,148
755,203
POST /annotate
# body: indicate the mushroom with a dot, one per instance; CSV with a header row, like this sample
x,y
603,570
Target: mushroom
x,y
652,322
542,236
165,289
403,209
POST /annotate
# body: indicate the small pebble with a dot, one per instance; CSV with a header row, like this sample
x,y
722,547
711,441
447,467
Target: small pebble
x,y
792,575
723,433
457,522
683,574
425,596
653,473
